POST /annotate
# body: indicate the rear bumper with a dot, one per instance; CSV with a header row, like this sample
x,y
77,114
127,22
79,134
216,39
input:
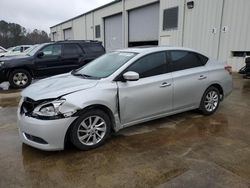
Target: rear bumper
x,y
228,86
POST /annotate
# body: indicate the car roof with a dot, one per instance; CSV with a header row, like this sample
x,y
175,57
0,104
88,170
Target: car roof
x,y
26,45
150,49
79,41
21,46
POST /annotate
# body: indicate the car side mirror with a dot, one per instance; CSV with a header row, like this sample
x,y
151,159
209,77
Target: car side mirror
x,y
131,76
40,54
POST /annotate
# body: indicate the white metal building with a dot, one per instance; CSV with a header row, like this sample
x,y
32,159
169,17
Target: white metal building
x,y
218,28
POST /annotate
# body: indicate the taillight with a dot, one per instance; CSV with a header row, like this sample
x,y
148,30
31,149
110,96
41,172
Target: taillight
x,y
228,69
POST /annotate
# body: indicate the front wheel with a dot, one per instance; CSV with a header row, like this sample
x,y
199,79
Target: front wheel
x,y
210,101
91,130
19,79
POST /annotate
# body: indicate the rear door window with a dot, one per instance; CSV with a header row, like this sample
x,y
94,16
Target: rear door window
x,y
71,50
93,48
181,60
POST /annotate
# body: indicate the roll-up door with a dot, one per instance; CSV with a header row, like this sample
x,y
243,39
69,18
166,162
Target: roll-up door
x,y
144,24
113,32
68,34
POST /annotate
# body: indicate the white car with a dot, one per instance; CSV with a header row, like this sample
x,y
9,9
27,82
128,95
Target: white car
x,y
117,90
3,51
17,50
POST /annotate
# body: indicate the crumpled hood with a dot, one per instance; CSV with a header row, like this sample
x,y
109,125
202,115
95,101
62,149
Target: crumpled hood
x,y
57,86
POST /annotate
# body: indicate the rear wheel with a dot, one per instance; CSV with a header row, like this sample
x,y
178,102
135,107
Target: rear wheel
x,y
19,79
91,130
210,101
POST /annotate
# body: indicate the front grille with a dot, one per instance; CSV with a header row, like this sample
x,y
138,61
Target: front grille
x,y
28,106
35,139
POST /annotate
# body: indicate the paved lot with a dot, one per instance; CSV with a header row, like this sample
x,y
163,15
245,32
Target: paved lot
x,y
186,150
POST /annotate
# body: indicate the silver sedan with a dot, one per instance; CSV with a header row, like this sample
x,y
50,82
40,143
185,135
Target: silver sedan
x,y
117,90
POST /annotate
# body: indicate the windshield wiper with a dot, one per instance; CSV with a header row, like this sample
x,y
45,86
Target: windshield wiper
x,y
75,74
84,75
89,76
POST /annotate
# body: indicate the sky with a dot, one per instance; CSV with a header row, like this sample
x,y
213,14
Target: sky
x,y
42,14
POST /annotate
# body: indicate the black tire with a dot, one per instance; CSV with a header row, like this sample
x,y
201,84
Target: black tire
x,y
74,132
24,81
242,70
204,104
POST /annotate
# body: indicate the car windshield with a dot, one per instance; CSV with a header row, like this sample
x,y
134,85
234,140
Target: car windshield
x,y
35,49
30,49
105,65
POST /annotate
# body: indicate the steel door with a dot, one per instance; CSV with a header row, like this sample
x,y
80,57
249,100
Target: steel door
x,y
146,97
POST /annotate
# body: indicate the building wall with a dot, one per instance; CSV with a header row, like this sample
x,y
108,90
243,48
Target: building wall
x,y
89,26
235,31
215,27
78,27
131,4
56,31
171,37
101,14
203,32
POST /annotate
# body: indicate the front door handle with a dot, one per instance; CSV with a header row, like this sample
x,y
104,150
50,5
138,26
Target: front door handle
x,y
165,84
202,77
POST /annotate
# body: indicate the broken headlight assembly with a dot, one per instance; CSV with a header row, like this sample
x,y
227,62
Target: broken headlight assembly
x,y
51,110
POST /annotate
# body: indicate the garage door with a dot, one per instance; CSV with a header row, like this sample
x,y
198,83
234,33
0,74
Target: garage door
x,y
144,23
68,34
113,32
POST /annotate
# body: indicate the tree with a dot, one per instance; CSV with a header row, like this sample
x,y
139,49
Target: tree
x,y
12,34
37,37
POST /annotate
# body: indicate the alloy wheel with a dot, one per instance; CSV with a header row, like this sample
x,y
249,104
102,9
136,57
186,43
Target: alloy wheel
x,y
211,101
91,130
20,79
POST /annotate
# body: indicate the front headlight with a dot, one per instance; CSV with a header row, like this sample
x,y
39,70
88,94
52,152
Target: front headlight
x,y
49,109
1,63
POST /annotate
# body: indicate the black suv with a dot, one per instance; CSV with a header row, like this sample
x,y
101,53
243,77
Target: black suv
x,y
48,59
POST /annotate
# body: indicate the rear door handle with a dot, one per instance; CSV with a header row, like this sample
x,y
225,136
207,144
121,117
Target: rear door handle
x,y
202,77
165,84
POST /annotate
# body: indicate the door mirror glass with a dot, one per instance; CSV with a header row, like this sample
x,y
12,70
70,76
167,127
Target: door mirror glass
x,y
40,54
131,76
